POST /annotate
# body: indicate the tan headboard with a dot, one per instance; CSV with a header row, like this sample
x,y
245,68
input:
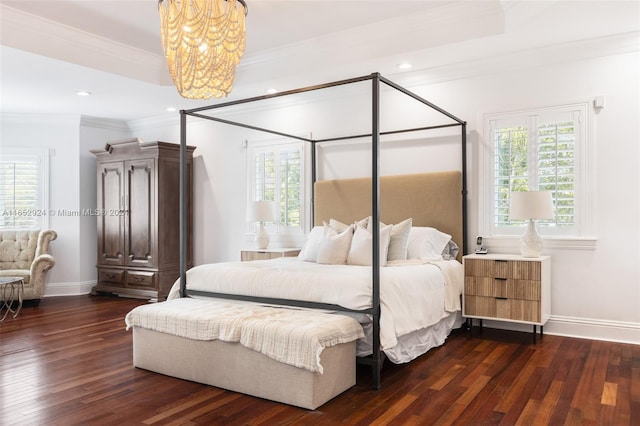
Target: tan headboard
x,y
431,199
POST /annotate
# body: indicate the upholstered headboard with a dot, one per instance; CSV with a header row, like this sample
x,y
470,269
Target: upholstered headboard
x,y
430,199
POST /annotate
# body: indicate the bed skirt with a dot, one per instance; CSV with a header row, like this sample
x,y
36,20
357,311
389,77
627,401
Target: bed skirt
x,y
233,367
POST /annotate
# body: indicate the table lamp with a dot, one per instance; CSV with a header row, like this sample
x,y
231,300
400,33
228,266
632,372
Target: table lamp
x,y
261,211
531,205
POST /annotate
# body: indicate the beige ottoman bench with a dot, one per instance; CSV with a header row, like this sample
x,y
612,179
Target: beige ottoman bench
x,y
159,347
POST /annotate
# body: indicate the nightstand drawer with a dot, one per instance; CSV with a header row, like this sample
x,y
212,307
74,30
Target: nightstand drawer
x,y
502,308
266,254
501,287
258,255
497,268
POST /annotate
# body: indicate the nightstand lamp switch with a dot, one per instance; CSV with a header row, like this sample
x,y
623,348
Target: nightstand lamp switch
x,y
531,205
261,212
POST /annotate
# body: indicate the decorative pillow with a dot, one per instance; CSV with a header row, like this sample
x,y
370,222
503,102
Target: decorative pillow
x,y
426,243
450,251
334,247
338,226
399,240
362,243
309,251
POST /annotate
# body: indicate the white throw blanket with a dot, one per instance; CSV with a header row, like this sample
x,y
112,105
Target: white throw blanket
x,y
413,294
291,336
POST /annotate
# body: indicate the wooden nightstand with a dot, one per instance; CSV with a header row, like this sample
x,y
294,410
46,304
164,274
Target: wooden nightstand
x,y
265,254
507,288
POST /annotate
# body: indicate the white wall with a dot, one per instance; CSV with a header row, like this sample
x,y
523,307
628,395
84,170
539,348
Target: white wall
x,y
596,292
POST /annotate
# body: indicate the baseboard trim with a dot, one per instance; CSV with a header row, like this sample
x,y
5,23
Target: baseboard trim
x,y
582,328
68,289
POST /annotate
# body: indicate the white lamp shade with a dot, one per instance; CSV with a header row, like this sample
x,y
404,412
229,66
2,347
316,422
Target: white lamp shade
x,y
261,211
531,205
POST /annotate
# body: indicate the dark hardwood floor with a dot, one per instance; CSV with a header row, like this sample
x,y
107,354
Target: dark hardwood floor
x,y
68,361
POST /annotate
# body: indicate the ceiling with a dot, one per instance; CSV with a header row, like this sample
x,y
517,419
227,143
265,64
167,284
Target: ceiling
x,y
49,49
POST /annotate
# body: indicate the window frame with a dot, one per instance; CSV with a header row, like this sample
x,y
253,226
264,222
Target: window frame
x,y
41,211
253,148
583,233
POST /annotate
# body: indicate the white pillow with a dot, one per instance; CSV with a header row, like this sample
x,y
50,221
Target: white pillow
x,y
362,243
334,247
309,251
338,226
399,240
426,243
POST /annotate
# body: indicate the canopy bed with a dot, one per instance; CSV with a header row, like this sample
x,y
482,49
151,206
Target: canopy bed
x,y
426,206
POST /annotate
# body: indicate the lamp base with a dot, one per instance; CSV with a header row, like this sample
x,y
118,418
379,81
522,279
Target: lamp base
x,y
531,243
262,237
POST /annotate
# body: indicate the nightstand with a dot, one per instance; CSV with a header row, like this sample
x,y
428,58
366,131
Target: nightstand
x,y
507,288
265,254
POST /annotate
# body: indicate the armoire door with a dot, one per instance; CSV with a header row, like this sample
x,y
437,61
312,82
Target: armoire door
x,y
111,197
140,228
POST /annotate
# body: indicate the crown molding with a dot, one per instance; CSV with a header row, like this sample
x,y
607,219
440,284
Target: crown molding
x,y
103,123
44,37
529,58
41,119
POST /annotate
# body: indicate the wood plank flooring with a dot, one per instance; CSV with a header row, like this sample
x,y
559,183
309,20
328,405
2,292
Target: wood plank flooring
x,y
69,362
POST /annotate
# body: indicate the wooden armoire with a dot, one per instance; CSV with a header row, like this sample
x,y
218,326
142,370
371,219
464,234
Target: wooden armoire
x,y
138,215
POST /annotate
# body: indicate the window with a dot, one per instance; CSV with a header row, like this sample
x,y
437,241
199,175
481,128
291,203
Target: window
x,y
23,188
546,149
276,173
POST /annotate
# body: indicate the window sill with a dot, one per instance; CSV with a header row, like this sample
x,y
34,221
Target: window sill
x,y
512,243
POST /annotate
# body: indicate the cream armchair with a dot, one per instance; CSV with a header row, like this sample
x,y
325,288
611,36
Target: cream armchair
x,y
26,254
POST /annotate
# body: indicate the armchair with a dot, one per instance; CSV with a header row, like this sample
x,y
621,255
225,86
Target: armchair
x,y
26,254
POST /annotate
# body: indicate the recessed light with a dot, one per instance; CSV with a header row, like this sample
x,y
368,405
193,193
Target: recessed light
x,y
404,66
272,91
82,93
171,109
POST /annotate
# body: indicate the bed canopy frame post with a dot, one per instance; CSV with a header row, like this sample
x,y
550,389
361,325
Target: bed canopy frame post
x,y
314,147
183,204
463,136
375,216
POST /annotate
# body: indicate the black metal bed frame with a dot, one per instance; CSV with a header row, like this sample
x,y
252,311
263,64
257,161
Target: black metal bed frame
x,y
375,361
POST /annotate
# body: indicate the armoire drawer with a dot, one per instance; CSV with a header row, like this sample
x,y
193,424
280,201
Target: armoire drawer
x,y
111,276
141,279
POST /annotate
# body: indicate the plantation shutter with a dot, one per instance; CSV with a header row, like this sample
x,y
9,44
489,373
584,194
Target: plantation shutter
x,y
536,152
277,176
21,192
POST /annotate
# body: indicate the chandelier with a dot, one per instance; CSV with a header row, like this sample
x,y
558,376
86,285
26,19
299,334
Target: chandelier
x,y
203,41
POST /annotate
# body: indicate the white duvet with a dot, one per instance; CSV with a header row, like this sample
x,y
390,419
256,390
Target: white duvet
x,y
413,294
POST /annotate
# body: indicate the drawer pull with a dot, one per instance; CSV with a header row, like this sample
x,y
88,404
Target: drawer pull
x,y
110,276
501,260
500,279
502,298
138,279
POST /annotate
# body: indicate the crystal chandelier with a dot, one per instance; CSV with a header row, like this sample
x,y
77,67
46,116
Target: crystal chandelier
x,y
203,41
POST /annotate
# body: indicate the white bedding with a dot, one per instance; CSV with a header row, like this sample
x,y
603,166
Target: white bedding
x,y
413,294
